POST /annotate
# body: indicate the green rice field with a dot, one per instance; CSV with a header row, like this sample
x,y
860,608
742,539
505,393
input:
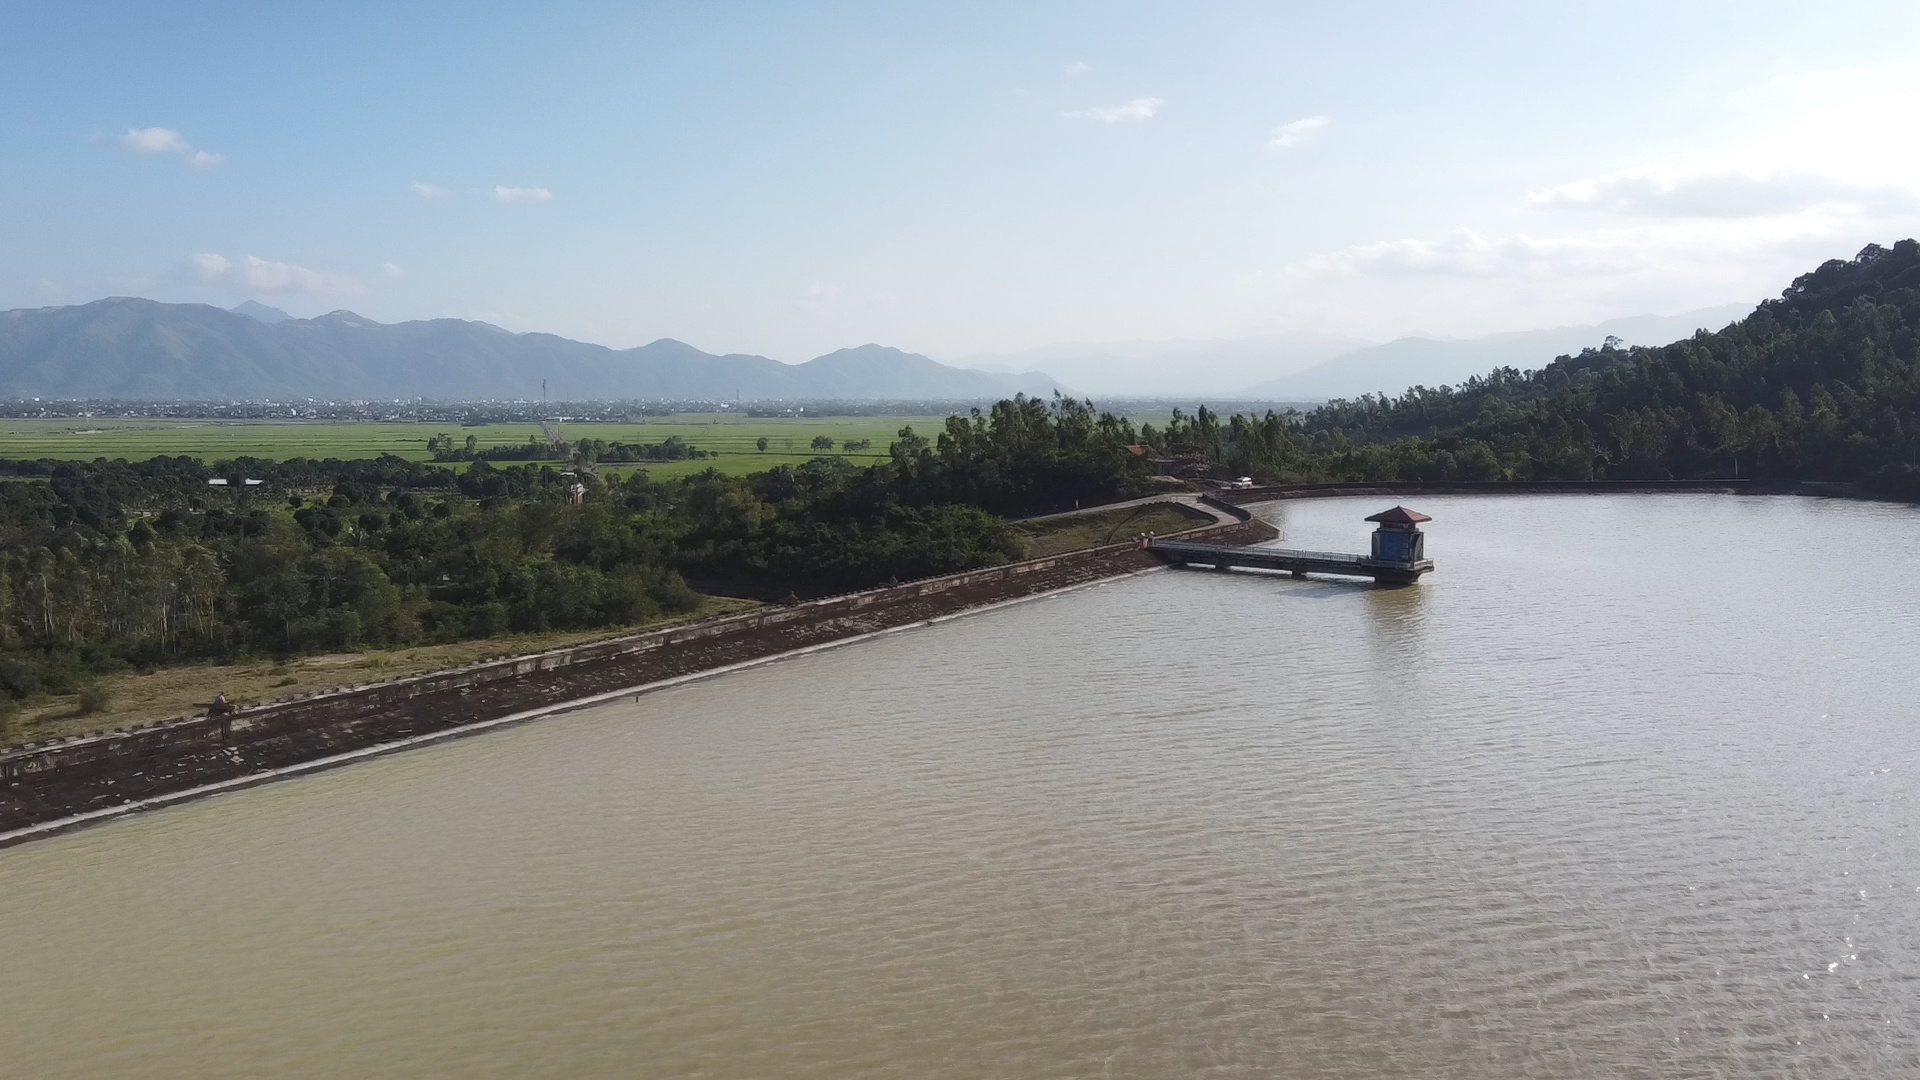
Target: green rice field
x,y
789,439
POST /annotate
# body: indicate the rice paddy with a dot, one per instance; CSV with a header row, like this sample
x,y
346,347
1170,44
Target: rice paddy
x,y
732,438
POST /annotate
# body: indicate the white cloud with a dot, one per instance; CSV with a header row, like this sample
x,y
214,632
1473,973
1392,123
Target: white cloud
x,y
159,140
211,267
1466,253
1473,282
1720,193
432,191
505,194
1137,111
1292,135
269,276
1649,252
392,271
154,140
1078,67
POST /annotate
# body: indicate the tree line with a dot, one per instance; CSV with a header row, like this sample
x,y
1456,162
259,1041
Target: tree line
x,y
587,451
109,565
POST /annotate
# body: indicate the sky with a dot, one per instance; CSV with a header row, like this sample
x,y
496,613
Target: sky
x,y
954,179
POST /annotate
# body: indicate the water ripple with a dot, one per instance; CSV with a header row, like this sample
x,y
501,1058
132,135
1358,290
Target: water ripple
x,y
1617,792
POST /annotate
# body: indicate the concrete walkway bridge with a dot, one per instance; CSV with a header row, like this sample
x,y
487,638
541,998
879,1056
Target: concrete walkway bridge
x,y
1398,556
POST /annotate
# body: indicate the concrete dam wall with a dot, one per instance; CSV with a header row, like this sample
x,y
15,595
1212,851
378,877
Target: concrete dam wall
x,y
45,787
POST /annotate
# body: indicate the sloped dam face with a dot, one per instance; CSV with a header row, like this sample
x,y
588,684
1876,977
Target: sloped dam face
x,y
1627,787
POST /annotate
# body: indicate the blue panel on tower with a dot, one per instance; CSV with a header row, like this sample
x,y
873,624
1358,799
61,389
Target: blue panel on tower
x,y
1394,546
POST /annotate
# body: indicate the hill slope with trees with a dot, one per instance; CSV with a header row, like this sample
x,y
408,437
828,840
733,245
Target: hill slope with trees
x,y
1822,383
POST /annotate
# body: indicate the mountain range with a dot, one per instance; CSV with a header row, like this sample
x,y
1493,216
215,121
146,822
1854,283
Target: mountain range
x,y
1394,366
1314,367
130,348
1215,368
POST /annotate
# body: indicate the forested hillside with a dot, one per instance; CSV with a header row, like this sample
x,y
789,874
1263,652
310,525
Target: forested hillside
x,y
1820,384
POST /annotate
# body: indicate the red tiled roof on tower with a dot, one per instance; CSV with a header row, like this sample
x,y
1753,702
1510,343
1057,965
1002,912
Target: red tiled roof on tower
x,y
1399,515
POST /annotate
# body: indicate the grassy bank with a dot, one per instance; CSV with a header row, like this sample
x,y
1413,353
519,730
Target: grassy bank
x,y
1056,535
170,692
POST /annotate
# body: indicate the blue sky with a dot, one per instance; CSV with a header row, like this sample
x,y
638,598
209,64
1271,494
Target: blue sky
x,y
954,179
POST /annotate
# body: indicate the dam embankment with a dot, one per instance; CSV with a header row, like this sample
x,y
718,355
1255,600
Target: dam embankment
x,y
47,787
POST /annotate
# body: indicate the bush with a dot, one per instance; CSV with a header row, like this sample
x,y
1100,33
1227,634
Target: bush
x,y
94,698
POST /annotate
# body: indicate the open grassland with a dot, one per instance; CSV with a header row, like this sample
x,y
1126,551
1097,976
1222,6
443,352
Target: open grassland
x,y
733,437
1052,536
181,691
83,439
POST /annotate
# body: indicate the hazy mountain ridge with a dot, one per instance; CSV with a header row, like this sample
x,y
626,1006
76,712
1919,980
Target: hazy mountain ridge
x,y
1396,365
1177,367
257,310
1314,367
126,347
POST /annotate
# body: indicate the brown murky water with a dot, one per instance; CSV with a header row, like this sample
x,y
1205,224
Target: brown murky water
x,y
1625,789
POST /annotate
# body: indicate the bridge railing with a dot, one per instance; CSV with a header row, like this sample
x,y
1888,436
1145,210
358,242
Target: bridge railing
x,y
1254,554
1320,556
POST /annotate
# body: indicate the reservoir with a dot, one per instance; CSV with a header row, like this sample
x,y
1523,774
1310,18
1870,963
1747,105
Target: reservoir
x,y
1625,788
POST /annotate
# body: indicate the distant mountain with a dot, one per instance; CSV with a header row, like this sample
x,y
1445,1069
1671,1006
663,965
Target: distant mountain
x,y
126,347
257,310
1414,361
1176,367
